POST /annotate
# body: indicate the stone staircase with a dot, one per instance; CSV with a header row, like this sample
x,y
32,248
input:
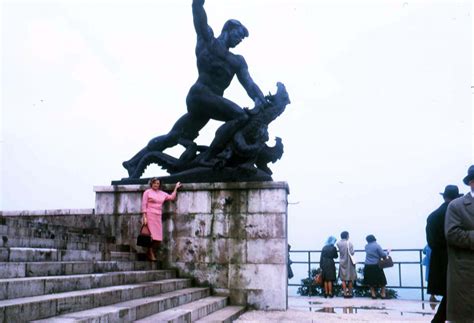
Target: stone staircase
x,y
56,273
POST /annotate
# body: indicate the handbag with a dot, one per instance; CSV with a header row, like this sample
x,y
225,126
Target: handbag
x,y
318,279
352,257
385,262
144,238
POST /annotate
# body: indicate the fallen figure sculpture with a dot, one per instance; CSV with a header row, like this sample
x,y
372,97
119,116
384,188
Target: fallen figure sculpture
x,y
239,156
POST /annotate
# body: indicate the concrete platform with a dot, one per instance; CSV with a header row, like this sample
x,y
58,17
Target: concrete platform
x,y
319,309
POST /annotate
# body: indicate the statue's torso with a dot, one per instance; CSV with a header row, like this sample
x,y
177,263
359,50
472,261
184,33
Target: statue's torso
x,y
216,65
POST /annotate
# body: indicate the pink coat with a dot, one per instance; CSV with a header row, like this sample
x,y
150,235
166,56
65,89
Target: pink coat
x,y
152,205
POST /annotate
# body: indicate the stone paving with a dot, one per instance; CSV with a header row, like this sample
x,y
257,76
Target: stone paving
x,y
319,309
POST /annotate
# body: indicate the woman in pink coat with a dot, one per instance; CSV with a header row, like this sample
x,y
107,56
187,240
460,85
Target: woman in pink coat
x,y
152,203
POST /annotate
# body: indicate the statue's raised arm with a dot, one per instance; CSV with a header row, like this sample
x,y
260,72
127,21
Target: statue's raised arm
x,y
203,30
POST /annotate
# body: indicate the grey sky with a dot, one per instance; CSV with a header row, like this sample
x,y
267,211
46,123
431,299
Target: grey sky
x,y
380,120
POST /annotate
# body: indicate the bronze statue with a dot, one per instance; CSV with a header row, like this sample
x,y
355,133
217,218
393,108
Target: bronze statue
x,y
217,66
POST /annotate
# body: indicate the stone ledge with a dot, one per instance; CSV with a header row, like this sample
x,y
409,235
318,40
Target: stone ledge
x,y
198,187
48,212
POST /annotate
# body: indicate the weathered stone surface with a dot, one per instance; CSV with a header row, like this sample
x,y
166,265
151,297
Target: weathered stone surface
x,y
232,236
206,274
267,201
266,299
189,312
226,315
194,202
32,254
266,251
229,201
257,276
266,226
12,270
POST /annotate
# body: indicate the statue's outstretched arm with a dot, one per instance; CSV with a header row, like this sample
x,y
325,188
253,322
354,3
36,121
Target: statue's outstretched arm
x,y
249,85
200,21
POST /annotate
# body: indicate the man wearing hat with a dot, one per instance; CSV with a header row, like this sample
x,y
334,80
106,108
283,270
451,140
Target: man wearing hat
x,y
459,231
438,265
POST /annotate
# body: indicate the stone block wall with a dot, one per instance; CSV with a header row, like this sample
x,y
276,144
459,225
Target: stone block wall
x,y
231,236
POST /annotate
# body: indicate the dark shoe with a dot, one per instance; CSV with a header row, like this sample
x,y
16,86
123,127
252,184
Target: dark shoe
x,y
325,296
373,297
331,295
383,297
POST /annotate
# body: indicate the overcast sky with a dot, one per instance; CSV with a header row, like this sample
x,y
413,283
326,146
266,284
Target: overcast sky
x,y
380,119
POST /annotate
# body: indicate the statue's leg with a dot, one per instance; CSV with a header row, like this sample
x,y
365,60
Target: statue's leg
x,y
184,131
221,109
159,143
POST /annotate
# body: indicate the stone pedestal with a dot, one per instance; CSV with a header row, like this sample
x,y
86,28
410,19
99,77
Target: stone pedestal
x,y
230,236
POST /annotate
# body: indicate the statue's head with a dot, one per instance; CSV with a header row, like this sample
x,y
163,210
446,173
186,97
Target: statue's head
x,y
235,31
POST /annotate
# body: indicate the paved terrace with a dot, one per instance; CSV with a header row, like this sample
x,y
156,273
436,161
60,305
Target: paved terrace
x,y
338,309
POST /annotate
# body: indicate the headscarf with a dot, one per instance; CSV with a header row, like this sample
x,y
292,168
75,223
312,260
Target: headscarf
x,y
331,241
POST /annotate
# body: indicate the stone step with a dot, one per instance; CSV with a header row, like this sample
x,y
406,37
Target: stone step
x,y
24,228
226,315
46,232
17,254
132,310
189,312
50,268
34,286
123,255
55,243
40,307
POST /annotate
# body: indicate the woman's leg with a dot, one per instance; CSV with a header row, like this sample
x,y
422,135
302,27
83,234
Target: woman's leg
x,y
326,288
372,292
382,292
344,290
330,288
350,287
151,254
152,250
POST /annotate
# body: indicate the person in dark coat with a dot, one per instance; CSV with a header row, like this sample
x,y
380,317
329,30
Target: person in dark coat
x,y
290,271
328,267
459,231
439,252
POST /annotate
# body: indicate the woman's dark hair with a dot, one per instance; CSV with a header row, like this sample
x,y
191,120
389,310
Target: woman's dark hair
x,y
152,180
344,235
370,238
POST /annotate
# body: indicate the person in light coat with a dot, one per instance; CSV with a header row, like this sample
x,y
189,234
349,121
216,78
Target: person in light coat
x,y
459,231
347,270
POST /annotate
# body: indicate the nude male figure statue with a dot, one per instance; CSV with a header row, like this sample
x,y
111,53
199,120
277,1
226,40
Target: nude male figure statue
x,y
217,66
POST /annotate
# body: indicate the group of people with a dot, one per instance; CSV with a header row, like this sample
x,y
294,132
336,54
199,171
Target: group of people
x,y
450,237
374,276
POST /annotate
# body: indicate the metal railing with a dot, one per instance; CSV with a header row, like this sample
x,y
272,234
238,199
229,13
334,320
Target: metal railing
x,y
397,262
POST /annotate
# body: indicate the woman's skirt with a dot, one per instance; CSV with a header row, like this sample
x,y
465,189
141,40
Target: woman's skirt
x,y
374,276
328,269
155,226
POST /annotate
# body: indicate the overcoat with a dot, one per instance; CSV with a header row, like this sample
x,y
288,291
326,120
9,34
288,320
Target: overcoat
x,y
347,270
326,262
439,254
459,230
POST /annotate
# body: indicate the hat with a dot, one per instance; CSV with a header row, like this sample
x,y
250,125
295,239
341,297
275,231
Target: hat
x,y
451,191
470,175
